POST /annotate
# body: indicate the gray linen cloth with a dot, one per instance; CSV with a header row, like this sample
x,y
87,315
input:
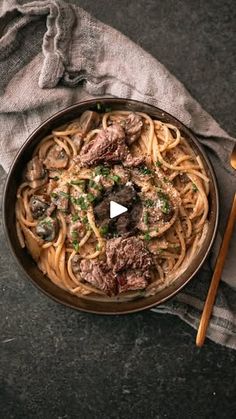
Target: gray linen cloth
x,y
54,54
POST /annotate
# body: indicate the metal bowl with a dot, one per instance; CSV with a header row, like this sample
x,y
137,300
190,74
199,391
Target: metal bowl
x,y
29,267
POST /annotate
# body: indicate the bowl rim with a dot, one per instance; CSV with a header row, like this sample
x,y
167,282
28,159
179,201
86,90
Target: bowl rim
x,y
25,145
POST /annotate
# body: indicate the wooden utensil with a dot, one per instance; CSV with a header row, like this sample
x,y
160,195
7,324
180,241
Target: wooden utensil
x,y
206,314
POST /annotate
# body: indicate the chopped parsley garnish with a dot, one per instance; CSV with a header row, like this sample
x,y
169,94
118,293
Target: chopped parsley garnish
x,y
165,201
166,180
145,217
75,217
93,184
116,178
102,170
148,203
85,220
74,234
165,207
54,195
145,170
91,197
158,163
97,247
160,251
65,194
46,222
104,230
80,202
194,188
99,106
79,182
75,245
147,236
56,178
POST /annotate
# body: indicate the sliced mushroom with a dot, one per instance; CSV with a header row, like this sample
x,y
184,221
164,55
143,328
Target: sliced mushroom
x,y
77,140
75,263
133,126
39,205
47,228
56,158
89,120
35,174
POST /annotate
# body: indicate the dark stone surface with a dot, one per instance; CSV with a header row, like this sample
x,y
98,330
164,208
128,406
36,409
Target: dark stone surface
x,y
58,363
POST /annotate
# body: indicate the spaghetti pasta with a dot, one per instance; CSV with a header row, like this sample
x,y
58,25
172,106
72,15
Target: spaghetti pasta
x,y
62,204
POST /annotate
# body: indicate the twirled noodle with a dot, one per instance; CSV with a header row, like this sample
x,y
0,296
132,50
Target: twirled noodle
x,y
175,167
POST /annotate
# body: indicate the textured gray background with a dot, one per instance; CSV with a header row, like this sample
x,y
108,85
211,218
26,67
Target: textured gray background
x,y
57,363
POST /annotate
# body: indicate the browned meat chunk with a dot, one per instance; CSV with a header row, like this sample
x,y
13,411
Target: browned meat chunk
x,y
89,120
56,158
126,253
108,146
35,174
125,223
131,280
133,126
127,267
96,273
123,195
133,161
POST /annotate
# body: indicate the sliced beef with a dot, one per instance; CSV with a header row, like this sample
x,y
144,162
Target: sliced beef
x,y
131,280
108,146
124,224
124,195
97,274
56,158
35,174
127,267
133,126
126,253
131,161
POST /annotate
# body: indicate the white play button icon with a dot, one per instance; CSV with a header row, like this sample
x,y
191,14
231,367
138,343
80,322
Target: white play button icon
x,y
116,209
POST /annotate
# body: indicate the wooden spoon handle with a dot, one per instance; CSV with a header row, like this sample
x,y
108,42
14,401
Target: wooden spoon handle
x,y
206,314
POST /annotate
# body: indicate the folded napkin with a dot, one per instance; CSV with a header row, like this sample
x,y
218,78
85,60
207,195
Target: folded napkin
x,y
54,54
